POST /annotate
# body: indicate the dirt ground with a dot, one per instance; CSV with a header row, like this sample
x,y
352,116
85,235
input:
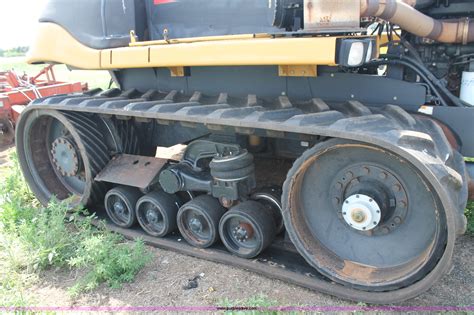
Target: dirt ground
x,y
161,284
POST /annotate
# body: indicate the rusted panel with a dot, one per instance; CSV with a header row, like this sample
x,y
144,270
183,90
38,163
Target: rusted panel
x,y
131,170
334,14
298,71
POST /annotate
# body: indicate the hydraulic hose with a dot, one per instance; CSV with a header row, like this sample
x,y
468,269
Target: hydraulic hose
x,y
402,13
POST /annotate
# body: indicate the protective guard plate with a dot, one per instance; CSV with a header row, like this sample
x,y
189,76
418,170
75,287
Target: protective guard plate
x,y
131,170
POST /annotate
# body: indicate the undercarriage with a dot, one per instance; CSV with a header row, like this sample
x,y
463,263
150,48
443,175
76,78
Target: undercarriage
x,y
241,175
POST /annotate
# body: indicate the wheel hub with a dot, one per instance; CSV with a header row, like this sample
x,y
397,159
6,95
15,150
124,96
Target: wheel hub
x,y
151,216
195,225
361,212
119,208
242,232
369,182
65,157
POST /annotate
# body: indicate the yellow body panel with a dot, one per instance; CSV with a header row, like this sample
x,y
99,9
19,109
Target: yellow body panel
x,y
55,45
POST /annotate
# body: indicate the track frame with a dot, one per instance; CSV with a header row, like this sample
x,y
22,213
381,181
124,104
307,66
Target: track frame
x,y
421,143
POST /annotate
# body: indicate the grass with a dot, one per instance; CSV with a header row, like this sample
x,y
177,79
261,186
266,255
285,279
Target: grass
x,y
259,303
470,218
34,239
95,79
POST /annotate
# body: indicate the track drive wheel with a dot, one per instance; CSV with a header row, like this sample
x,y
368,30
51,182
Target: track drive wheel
x,y
61,153
198,221
120,205
363,216
247,229
156,212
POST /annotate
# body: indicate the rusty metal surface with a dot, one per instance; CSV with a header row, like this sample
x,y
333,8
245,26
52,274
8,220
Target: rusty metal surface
x,y
334,14
131,170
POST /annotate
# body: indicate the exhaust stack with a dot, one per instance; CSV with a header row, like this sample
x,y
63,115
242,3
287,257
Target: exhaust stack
x,y
403,13
340,14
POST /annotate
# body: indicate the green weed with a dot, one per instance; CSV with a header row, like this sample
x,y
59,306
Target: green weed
x,y
260,302
35,238
470,218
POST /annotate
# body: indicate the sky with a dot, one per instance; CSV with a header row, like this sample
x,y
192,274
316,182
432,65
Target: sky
x,y
18,20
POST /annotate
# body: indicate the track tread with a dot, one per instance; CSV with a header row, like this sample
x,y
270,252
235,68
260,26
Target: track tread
x,y
390,127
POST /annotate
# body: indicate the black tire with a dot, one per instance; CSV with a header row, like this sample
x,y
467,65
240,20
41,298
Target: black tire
x,y
398,251
95,140
270,197
156,213
198,221
34,155
120,205
247,229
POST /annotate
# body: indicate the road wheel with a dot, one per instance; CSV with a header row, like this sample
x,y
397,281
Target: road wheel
x,y
247,229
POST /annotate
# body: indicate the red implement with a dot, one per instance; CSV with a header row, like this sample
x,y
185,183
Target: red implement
x,y
17,91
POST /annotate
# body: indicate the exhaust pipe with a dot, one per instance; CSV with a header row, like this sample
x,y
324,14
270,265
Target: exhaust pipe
x,y
403,13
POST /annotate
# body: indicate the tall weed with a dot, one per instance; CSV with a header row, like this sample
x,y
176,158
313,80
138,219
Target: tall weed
x,y
35,238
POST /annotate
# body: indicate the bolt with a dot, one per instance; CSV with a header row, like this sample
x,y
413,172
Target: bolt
x,y
397,187
336,200
383,175
397,220
358,216
403,204
339,186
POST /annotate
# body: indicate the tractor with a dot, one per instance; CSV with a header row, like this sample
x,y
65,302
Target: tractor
x,y
320,142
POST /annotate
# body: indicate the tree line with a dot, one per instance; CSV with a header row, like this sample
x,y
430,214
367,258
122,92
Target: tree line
x,y
14,52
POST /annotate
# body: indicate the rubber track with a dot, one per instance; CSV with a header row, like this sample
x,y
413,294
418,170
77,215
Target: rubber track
x,y
421,143
96,150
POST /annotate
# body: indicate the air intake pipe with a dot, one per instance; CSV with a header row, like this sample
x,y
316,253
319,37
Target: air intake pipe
x,y
403,13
